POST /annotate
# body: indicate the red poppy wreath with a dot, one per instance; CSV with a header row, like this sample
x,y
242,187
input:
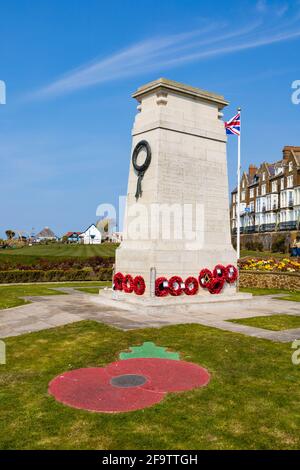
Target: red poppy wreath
x,y
176,285
128,284
205,278
118,281
220,272
139,285
191,286
161,287
231,273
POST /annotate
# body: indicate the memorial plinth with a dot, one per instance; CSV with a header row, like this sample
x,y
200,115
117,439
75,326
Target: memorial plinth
x,y
177,208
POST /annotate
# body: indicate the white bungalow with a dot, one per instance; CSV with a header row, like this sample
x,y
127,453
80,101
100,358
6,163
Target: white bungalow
x,y
92,236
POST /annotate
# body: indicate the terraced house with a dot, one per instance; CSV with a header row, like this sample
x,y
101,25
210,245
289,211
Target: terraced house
x,y
270,196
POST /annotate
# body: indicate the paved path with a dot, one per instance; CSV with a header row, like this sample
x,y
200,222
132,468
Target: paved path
x,y
50,311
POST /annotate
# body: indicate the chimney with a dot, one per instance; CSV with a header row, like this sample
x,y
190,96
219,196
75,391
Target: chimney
x,y
252,170
286,152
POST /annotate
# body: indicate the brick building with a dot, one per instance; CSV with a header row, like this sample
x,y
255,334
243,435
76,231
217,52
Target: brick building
x,y
270,196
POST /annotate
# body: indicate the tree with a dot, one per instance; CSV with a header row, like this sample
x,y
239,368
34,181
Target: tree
x,y
106,225
10,234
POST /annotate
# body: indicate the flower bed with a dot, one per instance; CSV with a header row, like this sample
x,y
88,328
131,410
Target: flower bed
x,y
270,265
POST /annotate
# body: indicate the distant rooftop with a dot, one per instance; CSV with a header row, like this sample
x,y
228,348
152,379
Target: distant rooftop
x,y
46,233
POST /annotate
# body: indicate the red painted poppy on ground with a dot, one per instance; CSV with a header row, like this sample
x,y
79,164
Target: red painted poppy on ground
x,y
126,385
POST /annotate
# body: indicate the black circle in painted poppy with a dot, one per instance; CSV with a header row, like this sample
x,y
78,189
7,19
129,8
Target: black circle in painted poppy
x,y
128,380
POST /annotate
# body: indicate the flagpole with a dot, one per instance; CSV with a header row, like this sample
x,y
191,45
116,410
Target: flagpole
x,y
238,241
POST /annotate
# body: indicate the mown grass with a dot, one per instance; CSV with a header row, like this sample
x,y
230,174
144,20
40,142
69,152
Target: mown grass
x,y
252,401
263,254
11,296
264,291
272,322
30,254
288,294
89,290
294,297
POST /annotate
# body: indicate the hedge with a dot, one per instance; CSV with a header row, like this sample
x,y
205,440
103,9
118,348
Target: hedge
x,y
87,274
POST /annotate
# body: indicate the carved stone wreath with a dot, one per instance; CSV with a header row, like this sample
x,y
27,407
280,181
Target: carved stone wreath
x,y
141,169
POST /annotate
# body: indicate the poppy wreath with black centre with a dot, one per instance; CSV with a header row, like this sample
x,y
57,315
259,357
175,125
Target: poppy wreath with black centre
x,y
205,278
231,273
216,285
161,287
176,285
118,281
220,272
191,286
128,284
139,285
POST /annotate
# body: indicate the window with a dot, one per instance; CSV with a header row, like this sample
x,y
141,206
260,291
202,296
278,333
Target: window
x,y
264,176
290,166
263,190
243,195
282,183
290,181
257,205
252,192
291,197
243,183
233,197
274,201
283,199
274,186
251,206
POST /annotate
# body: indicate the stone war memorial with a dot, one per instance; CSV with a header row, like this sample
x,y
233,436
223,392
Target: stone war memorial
x,y
177,245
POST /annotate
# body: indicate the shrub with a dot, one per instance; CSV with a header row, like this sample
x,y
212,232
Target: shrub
x,y
254,246
278,245
86,274
259,246
249,245
45,264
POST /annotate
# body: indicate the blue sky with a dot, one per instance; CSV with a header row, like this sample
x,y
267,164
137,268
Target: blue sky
x,y
70,68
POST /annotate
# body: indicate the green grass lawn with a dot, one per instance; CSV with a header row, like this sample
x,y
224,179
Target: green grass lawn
x,y
288,295
272,322
85,251
89,290
10,296
260,291
29,254
252,401
263,254
295,297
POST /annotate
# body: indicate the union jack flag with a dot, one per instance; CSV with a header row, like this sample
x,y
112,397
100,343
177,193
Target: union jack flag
x,y
233,126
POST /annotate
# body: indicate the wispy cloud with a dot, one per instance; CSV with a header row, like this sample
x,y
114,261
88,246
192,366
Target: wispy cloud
x,y
161,53
277,9
261,6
